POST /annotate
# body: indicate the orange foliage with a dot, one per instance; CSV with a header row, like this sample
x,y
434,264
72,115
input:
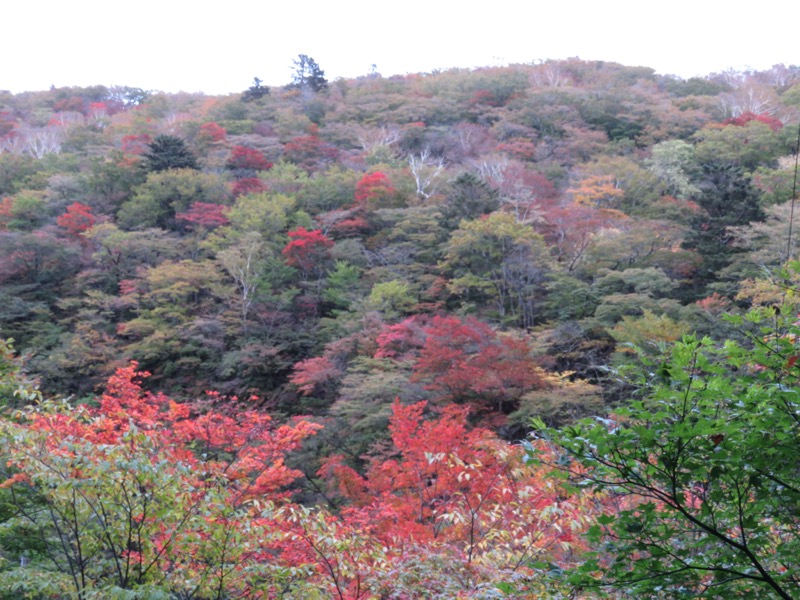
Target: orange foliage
x,y
6,205
597,190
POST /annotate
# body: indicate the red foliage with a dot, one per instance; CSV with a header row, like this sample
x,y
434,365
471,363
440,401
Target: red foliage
x,y
252,447
525,189
72,104
246,158
352,227
452,485
77,219
465,360
714,304
307,249
314,374
98,110
205,214
744,118
372,188
519,148
7,123
485,98
136,144
210,133
444,492
309,151
247,186
403,340
569,230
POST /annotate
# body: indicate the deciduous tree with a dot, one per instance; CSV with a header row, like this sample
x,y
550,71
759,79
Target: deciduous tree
x,y
145,495
77,219
704,466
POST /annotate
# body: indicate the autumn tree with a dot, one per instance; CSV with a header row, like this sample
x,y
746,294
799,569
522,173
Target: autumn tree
x,y
599,191
309,151
466,361
571,229
146,495
77,219
459,492
210,133
307,251
163,195
247,160
204,215
374,190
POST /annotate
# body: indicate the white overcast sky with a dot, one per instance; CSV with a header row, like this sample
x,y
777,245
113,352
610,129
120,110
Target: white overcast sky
x,y
218,46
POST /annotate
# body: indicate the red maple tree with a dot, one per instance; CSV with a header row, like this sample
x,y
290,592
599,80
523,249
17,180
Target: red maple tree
x,y
244,158
77,219
204,214
307,250
372,189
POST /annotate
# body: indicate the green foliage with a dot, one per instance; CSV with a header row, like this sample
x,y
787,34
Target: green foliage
x,y
328,190
500,261
648,332
15,388
308,75
392,298
650,281
468,198
727,200
748,146
775,185
569,298
342,287
255,91
168,152
558,403
164,193
694,86
16,171
703,469
673,162
29,210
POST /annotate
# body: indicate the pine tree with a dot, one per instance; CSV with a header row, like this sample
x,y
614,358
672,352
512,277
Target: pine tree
x,y
168,152
308,75
255,91
727,199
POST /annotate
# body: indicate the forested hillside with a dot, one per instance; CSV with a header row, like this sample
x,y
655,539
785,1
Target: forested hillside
x,y
285,343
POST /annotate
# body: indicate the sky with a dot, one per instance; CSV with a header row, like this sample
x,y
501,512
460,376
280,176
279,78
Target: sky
x,y
218,47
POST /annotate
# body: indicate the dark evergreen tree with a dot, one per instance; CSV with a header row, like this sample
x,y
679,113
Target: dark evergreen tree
x,y
469,198
727,200
255,91
168,152
308,75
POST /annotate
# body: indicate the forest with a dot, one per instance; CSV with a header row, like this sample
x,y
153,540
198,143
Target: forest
x,y
511,332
